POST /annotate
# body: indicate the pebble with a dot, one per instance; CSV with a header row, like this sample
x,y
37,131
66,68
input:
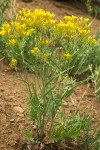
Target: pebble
x,y
5,70
18,109
11,120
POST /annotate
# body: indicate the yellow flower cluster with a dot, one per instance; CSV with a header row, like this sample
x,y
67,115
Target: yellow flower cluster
x,y
20,29
40,28
6,30
29,22
13,63
36,52
73,27
64,29
78,22
60,29
37,18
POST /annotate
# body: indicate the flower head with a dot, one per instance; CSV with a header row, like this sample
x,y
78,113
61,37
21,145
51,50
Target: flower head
x,y
44,42
11,42
13,63
45,56
35,51
92,41
6,29
67,55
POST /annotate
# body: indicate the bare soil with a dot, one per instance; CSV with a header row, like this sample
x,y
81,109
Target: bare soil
x,y
14,119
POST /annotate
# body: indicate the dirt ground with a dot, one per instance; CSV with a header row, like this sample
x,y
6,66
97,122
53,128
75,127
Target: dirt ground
x,y
13,98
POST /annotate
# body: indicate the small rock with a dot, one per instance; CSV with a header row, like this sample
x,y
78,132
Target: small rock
x,y
12,120
18,109
5,70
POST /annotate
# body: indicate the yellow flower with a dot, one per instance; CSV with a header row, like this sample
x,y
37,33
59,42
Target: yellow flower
x,y
2,33
71,18
83,32
61,25
18,28
13,63
6,30
15,24
86,20
67,55
21,29
92,41
6,26
45,56
44,42
29,32
11,42
35,51
49,23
